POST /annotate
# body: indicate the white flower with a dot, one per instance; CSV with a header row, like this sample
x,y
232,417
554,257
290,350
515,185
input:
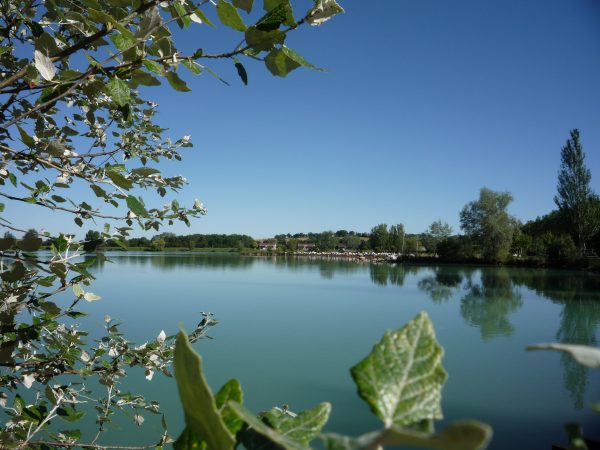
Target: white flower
x,y
161,337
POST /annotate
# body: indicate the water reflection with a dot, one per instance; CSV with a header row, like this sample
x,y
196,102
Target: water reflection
x,y
487,298
488,303
443,284
393,274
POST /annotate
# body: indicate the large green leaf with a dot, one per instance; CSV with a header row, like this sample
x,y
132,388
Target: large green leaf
x,y
201,413
279,63
119,91
470,435
402,377
119,180
297,57
281,13
136,206
177,83
583,354
264,430
228,15
246,5
230,391
261,40
302,427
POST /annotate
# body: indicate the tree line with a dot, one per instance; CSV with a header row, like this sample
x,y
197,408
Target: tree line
x,y
564,236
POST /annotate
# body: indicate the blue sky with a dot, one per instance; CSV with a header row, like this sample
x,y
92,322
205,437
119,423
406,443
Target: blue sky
x,y
422,104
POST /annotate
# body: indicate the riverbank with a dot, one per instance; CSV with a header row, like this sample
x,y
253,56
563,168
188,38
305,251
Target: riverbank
x,y
591,264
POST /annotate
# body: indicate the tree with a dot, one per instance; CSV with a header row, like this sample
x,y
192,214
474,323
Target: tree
x,y
92,240
575,198
72,118
396,238
379,238
436,233
488,224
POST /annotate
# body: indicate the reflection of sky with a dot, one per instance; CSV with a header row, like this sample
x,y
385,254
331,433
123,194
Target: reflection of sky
x,y
291,329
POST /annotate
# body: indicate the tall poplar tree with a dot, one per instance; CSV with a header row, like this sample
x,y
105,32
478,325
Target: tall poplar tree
x,y
575,198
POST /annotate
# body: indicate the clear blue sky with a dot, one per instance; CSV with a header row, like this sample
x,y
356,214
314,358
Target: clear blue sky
x,y
423,103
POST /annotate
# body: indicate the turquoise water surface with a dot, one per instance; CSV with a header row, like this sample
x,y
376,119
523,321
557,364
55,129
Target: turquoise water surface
x,y
290,328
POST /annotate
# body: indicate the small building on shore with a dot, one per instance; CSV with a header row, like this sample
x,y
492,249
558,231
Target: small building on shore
x,y
267,246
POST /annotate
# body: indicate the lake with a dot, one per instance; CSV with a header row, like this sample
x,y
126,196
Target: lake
x,y
290,328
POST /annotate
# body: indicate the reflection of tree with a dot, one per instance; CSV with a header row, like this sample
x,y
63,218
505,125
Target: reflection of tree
x,y
579,319
384,274
487,304
442,285
579,295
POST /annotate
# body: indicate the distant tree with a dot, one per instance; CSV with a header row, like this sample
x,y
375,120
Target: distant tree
x,y
436,233
575,198
30,233
326,241
341,233
379,238
396,239
353,242
157,244
411,243
91,241
292,245
487,222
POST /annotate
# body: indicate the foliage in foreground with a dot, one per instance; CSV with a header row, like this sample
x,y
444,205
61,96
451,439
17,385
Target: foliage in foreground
x,y
401,380
77,137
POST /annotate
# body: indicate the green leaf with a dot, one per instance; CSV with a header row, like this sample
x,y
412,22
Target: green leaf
x,y
188,440
401,379
469,435
201,414
296,57
192,66
123,41
230,391
136,206
241,70
280,14
261,40
27,140
153,66
119,180
279,63
183,20
98,190
144,78
228,15
199,17
246,5
583,354
301,428
177,83
145,171
78,291
119,91
264,430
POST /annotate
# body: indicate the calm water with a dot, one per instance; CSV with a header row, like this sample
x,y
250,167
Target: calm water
x,y
291,328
